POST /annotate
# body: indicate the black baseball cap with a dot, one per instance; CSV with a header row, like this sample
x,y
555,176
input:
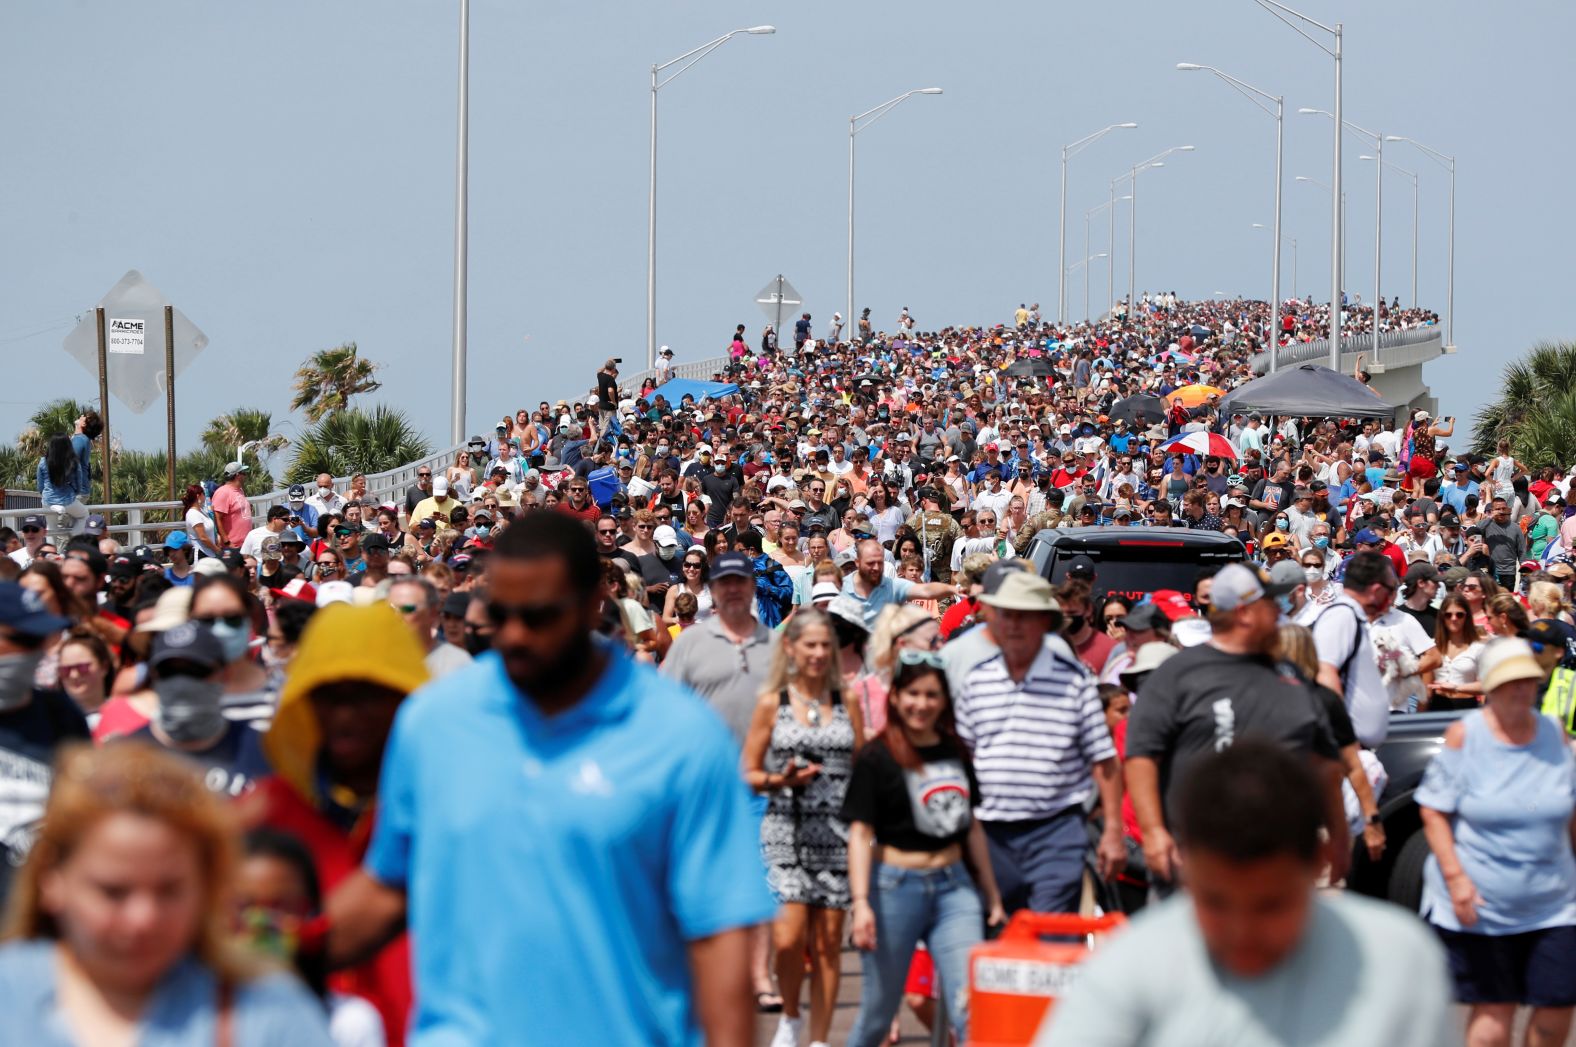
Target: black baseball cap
x,y
731,563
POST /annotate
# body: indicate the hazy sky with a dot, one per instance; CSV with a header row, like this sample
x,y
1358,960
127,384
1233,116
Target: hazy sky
x,y
284,172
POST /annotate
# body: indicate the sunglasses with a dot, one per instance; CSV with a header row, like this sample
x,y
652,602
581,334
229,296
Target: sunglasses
x,y
422,476
327,565
344,532
234,621
532,616
32,530
406,608
913,656
71,672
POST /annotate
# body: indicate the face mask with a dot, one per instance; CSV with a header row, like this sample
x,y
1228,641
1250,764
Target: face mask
x,y
667,552
719,468
1321,542
1283,601
324,492
1283,525
16,678
1313,574
234,640
189,708
476,643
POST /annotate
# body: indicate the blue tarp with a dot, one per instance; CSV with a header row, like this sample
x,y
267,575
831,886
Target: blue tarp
x,y
676,389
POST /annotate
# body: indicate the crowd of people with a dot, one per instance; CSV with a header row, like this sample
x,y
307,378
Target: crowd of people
x,y
680,694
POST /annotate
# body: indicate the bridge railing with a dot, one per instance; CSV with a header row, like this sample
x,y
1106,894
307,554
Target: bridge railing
x,y
137,523
1396,348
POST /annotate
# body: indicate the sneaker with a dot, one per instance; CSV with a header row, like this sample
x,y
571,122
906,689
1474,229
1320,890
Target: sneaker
x,y
819,1043
788,1030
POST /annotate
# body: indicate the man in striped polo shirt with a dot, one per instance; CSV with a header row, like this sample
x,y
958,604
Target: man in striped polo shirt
x,y
1032,717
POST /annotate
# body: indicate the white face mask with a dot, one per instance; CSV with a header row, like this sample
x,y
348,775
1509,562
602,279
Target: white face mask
x,y
324,492
1313,574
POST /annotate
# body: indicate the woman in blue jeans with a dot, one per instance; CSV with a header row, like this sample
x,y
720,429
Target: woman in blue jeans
x,y
909,808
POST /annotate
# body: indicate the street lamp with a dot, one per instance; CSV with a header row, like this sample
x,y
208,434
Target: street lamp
x,y
1449,164
688,58
461,231
1378,207
1413,176
1068,152
1293,239
1326,187
1132,215
1258,97
1110,246
869,116
1285,15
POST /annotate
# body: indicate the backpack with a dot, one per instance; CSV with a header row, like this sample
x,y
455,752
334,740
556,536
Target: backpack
x,y
1357,643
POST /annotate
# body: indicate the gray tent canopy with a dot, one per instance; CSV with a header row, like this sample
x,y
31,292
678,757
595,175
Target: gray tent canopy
x,y
1306,391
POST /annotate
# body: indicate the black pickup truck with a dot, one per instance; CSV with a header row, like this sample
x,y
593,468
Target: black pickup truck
x,y
1413,740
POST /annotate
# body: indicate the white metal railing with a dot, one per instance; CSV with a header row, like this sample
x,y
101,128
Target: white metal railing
x,y
1424,344
386,486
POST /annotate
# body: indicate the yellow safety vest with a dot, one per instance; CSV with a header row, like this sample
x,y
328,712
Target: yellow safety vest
x,y
1559,700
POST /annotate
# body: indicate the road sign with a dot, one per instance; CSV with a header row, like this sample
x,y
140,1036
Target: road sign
x,y
133,307
775,299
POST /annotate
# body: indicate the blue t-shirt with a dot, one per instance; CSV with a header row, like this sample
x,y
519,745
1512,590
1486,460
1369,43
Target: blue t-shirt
x,y
272,1009
582,851
891,590
1510,810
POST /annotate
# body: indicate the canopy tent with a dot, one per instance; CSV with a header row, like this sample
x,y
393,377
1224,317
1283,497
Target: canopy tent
x,y
676,389
1306,391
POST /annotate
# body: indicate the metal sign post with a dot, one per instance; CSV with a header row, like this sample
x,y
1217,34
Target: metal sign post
x,y
169,390
103,377
773,298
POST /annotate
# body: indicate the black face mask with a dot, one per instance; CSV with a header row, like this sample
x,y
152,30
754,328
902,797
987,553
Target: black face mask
x,y
475,642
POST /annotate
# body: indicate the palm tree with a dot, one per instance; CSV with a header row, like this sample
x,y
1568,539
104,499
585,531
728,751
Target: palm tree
x,y
17,468
242,425
327,380
353,441
1536,408
55,418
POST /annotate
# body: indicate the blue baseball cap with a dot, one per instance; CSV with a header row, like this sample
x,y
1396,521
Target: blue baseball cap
x,y
1367,536
727,564
22,611
178,540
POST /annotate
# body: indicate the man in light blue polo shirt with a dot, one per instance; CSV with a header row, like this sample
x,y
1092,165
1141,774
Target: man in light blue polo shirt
x,y
567,833
870,585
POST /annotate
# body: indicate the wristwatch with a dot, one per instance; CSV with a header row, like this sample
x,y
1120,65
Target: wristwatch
x,y
1375,819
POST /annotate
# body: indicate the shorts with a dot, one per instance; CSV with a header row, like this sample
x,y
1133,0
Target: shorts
x,y
1536,968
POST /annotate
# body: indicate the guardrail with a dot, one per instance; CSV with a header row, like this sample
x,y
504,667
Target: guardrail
x,y
1396,349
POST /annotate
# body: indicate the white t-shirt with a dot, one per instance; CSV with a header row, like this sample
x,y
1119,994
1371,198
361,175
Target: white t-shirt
x,y
1367,698
194,517
1398,641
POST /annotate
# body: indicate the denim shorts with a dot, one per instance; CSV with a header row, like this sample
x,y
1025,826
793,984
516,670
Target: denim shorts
x,y
1536,968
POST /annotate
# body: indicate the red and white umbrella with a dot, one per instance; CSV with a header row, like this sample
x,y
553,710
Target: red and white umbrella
x,y
1200,443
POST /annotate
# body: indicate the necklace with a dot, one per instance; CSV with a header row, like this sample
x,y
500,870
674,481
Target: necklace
x,y
812,710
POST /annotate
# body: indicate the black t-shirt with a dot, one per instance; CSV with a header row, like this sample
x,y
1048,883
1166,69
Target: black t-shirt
x,y
231,767
606,391
1341,729
1273,492
1206,699
721,489
1428,617
28,739
921,810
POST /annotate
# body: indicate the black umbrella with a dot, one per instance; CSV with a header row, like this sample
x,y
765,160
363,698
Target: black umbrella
x,y
1030,367
1306,391
1140,410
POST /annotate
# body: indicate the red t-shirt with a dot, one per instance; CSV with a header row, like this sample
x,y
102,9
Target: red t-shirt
x,y
1094,651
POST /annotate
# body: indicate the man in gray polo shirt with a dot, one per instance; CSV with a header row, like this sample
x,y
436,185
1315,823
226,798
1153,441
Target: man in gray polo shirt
x,y
725,658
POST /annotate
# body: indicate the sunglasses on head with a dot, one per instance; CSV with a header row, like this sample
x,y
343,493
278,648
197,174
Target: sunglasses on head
x,y
914,656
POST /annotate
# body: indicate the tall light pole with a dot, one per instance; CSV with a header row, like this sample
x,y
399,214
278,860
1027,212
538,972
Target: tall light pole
x,y
461,231
1087,258
1285,15
688,59
1449,164
1283,239
1378,209
1398,169
1132,214
1110,246
1326,187
1068,152
1259,97
869,116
